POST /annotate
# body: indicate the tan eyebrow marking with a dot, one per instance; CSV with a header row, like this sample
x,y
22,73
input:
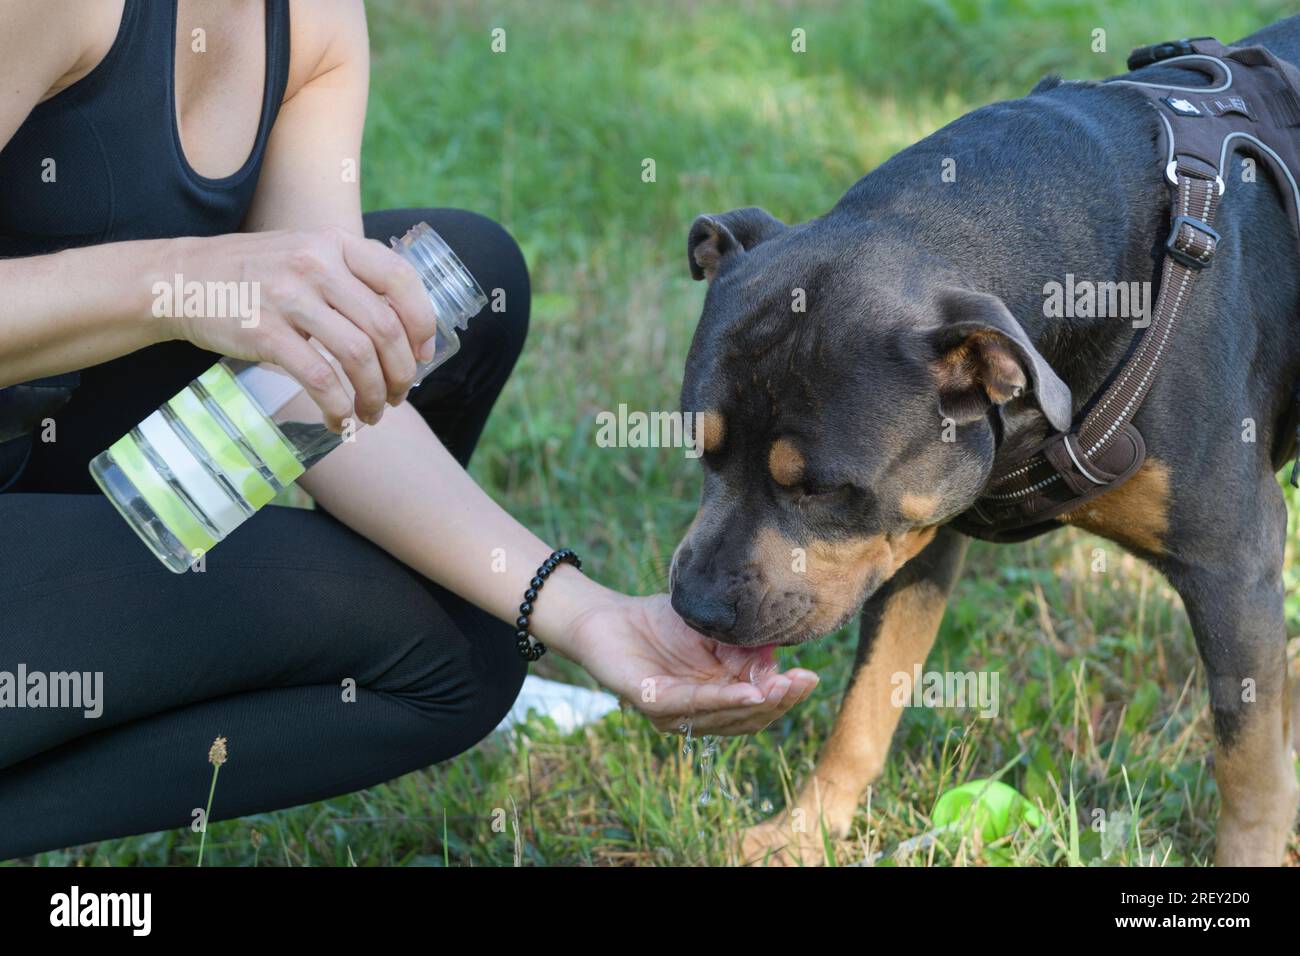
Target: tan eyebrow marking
x,y
785,462
713,429
918,508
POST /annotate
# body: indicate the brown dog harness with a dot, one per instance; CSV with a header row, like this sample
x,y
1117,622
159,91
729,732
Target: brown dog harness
x,y
1253,105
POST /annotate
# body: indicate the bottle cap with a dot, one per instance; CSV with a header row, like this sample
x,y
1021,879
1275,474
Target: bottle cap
x,y
455,294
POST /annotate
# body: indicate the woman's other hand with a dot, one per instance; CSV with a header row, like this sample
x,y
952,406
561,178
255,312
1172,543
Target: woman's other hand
x,y
362,302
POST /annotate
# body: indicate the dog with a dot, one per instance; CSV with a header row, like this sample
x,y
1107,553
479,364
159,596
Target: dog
x,y
859,376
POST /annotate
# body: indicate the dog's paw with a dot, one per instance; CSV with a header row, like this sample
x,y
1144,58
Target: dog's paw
x,y
778,842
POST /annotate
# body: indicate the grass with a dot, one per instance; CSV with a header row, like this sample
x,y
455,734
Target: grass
x,y
1104,705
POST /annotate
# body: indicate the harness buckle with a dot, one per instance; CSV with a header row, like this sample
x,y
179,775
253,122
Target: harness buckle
x,y
1146,55
1181,246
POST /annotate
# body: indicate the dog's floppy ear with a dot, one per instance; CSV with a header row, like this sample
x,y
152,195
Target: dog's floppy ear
x,y
983,357
713,237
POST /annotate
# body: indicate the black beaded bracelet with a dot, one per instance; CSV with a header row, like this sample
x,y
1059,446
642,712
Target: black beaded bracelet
x,y
529,648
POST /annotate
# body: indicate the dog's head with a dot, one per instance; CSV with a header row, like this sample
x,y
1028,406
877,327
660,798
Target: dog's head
x,y
842,399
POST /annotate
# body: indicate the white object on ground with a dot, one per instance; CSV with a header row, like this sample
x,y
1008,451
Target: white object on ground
x,y
919,842
569,706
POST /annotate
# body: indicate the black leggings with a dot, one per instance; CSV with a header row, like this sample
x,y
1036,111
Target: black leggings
x,y
258,648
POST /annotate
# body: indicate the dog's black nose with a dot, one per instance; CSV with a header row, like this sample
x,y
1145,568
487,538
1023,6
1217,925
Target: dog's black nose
x,y
704,611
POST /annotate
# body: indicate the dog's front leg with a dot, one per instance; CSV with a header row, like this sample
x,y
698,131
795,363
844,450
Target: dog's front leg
x,y
1235,604
898,627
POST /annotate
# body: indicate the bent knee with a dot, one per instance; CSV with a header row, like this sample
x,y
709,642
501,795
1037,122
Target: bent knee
x,y
464,688
493,674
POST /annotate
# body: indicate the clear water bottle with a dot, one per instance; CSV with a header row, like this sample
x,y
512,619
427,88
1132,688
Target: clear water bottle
x,y
224,446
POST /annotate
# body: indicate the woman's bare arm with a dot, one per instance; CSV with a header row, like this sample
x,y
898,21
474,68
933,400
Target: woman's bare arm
x,y
80,307
312,170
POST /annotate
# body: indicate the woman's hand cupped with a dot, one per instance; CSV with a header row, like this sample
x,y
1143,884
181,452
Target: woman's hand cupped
x,y
641,649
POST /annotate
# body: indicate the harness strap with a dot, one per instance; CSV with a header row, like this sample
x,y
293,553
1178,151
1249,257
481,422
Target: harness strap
x,y
1102,448
1072,467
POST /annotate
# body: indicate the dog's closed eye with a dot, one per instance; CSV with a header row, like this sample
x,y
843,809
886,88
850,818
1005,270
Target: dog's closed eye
x,y
808,491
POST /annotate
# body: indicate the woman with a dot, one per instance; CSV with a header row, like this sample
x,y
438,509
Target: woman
x,y
213,139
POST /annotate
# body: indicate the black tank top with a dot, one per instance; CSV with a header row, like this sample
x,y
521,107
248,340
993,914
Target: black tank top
x,y
99,162
113,146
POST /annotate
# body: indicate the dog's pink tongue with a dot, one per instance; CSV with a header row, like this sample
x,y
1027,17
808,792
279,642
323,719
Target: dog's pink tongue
x,y
749,663
764,663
